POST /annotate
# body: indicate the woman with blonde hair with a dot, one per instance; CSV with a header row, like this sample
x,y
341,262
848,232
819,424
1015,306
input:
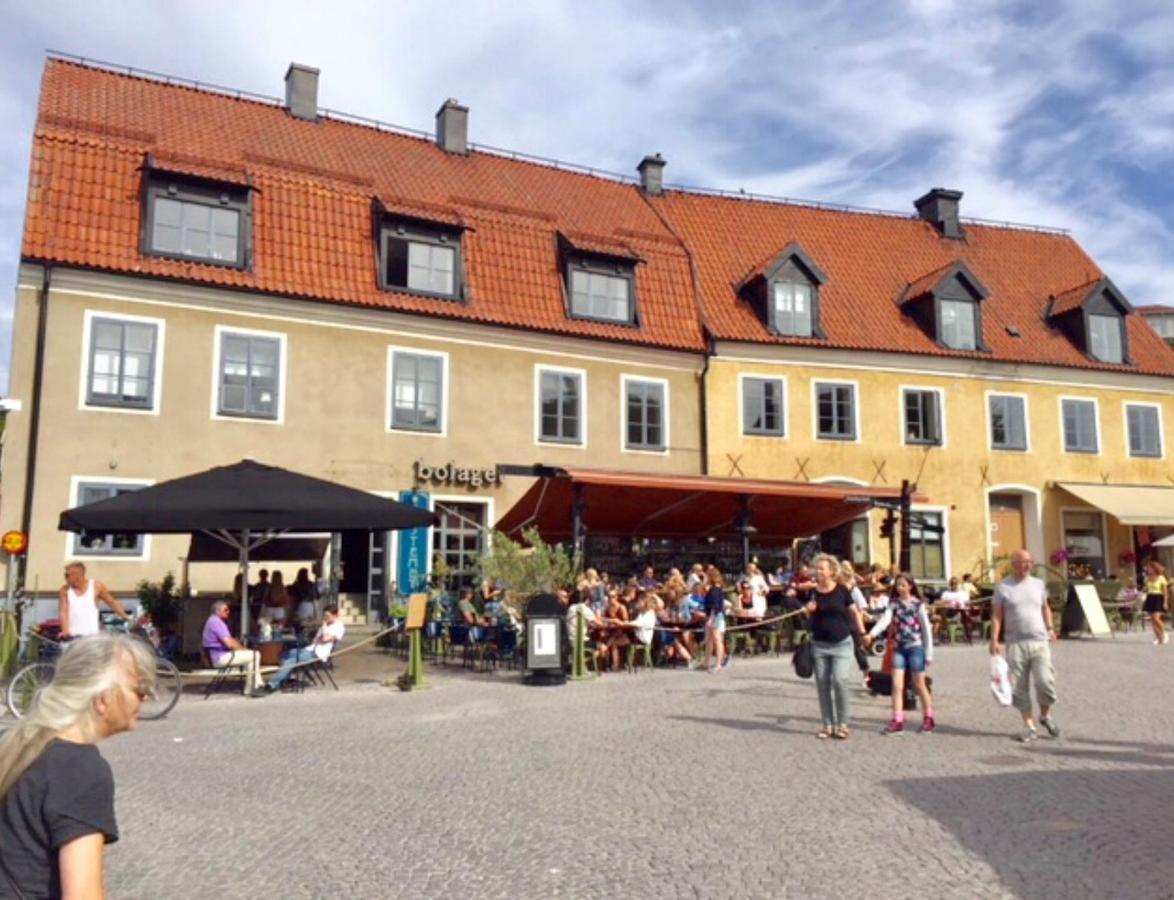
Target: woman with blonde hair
x,y
715,621
56,790
1156,590
835,626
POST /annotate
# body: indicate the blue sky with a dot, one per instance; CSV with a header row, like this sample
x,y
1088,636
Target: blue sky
x,y
1059,115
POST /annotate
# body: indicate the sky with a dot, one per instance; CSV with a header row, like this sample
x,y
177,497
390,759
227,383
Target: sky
x,y
1048,114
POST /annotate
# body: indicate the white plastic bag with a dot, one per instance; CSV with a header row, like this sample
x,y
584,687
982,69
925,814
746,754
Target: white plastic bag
x,y
1000,680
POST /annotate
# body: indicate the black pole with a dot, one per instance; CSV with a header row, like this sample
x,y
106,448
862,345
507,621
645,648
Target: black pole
x,y
890,528
744,527
906,503
578,507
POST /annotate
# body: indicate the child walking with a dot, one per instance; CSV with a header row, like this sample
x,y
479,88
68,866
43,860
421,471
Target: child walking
x,y
911,638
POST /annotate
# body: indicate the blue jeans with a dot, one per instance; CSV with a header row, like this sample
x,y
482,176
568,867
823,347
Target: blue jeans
x,y
288,661
909,658
833,668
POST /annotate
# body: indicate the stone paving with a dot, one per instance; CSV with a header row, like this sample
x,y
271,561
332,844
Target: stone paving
x,y
663,784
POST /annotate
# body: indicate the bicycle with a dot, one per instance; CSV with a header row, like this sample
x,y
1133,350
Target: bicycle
x,y
26,683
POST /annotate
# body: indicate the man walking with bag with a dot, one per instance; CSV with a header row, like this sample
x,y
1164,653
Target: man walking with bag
x,y
1021,617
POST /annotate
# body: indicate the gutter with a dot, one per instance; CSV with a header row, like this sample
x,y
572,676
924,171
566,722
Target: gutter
x,y
30,474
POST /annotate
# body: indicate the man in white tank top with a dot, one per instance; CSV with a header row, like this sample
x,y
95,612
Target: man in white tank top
x,y
79,603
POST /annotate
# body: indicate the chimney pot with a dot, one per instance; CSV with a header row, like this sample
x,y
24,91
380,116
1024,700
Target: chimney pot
x,y
651,171
452,127
939,207
301,91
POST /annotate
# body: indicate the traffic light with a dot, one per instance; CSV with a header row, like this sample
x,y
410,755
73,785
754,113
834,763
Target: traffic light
x,y
887,524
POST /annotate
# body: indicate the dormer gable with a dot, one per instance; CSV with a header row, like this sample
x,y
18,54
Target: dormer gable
x,y
599,277
947,305
1093,317
784,293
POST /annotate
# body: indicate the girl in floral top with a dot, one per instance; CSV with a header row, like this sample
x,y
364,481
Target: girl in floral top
x,y
909,630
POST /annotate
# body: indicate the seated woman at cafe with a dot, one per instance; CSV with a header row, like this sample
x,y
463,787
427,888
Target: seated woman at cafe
x,y
668,615
467,613
613,637
276,606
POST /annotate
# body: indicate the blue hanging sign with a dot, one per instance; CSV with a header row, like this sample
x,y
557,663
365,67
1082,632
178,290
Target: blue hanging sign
x,y
413,549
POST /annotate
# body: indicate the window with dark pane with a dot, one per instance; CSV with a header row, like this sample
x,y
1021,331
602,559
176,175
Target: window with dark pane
x,y
1008,422
836,411
927,558
645,413
122,363
249,372
1080,426
922,417
560,398
762,406
417,386
1145,434
421,259
106,543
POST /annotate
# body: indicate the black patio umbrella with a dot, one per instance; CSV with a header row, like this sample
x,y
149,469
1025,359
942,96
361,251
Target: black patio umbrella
x,y
244,505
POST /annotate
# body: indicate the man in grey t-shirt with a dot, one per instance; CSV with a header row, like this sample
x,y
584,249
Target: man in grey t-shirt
x,y
1021,617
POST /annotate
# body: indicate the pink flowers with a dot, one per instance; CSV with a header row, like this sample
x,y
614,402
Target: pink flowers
x,y
1059,556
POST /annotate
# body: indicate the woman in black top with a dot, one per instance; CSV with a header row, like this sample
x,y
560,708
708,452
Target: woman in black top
x,y
835,624
56,791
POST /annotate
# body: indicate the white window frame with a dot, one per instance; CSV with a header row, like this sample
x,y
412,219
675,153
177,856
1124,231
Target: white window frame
x,y
539,440
156,375
388,412
282,367
625,379
947,564
941,395
856,403
990,443
784,417
490,520
1125,404
75,486
1104,532
1096,424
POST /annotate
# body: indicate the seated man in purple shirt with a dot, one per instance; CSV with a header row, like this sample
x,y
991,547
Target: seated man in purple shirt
x,y
225,650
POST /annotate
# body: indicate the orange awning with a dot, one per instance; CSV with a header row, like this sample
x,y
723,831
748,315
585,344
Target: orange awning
x,y
645,505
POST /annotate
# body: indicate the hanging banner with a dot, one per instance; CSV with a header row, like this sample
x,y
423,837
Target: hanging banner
x,y
413,549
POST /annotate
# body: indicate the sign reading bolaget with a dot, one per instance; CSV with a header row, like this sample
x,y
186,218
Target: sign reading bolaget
x,y
451,473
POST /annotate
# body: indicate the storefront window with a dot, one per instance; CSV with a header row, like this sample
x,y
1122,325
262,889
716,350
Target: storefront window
x,y
459,539
1084,540
926,540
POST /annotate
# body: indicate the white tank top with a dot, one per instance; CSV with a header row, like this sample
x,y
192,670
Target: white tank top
x,y
83,611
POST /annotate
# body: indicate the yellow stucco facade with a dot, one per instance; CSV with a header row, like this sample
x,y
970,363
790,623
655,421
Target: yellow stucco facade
x,y
333,407
957,477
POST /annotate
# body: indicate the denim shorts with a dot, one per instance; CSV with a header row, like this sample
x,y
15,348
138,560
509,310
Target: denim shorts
x,y
911,658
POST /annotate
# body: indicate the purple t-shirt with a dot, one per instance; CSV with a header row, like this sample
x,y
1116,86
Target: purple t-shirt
x,y
215,631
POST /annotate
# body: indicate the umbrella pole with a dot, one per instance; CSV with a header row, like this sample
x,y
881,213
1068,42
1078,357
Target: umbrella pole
x,y
244,567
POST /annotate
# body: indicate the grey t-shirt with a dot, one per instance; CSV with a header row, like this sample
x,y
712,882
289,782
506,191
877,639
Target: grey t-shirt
x,y
1023,604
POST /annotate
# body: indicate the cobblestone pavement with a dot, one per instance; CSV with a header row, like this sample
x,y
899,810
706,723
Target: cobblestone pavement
x,y
663,784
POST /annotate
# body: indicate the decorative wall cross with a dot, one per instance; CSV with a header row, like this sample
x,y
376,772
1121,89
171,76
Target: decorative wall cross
x,y
734,467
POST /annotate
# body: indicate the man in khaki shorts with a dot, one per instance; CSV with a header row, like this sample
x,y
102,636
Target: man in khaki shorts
x,y
1021,617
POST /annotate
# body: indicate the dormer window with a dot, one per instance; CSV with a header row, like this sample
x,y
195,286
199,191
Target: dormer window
x,y
421,258
1093,316
1105,342
785,293
198,221
957,326
947,304
792,312
601,291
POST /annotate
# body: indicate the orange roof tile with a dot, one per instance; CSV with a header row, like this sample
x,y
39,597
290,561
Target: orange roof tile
x,y
312,222
871,259
1066,301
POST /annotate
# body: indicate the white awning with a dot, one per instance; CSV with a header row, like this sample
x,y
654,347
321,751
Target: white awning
x,y
1129,504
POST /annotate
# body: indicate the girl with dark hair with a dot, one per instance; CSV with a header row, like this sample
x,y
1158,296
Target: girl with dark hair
x,y
911,638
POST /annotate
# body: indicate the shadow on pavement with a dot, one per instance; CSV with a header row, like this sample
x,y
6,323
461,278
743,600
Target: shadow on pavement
x,y
1053,834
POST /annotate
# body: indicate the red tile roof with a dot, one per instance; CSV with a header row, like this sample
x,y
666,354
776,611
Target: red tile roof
x,y
312,224
1066,301
871,259
312,229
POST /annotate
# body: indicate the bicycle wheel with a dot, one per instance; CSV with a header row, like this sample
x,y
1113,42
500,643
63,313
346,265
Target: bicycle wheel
x,y
168,687
22,690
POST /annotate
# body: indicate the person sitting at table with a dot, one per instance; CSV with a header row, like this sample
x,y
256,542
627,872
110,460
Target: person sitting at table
x,y
670,640
614,637
970,587
954,598
696,576
648,580
277,605
329,633
468,614
225,650
643,627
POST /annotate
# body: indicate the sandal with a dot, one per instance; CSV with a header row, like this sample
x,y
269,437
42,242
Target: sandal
x,y
840,734
824,734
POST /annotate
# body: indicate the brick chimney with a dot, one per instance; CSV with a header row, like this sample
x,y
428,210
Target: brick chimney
x,y
452,127
651,171
939,207
301,92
